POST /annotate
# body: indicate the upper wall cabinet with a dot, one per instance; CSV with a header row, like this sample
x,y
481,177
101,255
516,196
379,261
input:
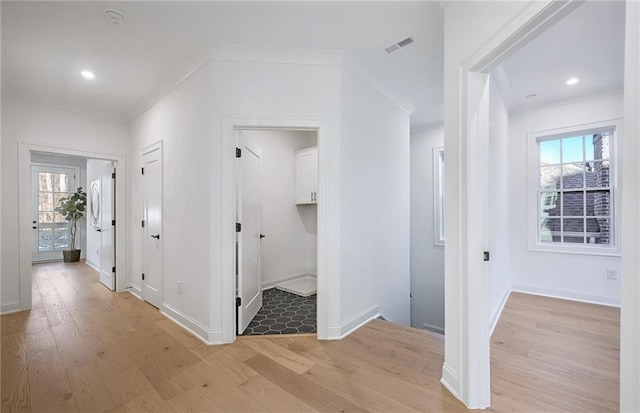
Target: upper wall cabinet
x,y
307,176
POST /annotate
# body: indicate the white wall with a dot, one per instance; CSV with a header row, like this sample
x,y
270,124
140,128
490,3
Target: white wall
x,y
375,197
427,259
500,205
571,276
190,120
94,242
289,248
81,164
38,125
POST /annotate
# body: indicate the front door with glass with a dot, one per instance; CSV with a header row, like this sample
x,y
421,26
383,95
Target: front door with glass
x,y
50,230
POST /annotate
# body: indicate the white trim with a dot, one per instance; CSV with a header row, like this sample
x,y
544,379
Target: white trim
x,y
328,253
433,328
566,294
196,328
438,189
271,284
451,381
10,307
497,311
90,264
533,203
354,323
135,291
24,213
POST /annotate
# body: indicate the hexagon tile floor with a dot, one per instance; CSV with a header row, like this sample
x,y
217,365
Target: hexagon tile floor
x,y
283,313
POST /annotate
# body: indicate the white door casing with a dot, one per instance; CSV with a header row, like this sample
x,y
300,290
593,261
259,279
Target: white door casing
x,y
249,279
152,283
107,229
49,183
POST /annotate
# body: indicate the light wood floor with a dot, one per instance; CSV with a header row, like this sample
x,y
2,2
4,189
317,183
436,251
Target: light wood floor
x,y
83,348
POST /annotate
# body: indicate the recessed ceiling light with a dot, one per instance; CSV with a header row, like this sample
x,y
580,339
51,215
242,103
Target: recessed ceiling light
x,y
573,81
87,74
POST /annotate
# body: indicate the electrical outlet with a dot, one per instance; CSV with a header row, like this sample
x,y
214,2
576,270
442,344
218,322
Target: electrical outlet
x,y
612,274
179,287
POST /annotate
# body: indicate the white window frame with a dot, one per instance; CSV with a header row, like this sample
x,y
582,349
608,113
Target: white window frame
x,y
438,195
533,160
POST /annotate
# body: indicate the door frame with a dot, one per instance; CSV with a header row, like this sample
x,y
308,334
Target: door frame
x,y
147,149
24,213
466,369
328,280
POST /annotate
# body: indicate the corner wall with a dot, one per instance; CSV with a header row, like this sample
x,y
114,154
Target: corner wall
x,y
375,198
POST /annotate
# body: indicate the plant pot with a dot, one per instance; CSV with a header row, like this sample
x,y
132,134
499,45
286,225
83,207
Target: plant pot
x,y
71,255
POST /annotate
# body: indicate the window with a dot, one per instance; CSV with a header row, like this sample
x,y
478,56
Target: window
x,y
574,190
438,195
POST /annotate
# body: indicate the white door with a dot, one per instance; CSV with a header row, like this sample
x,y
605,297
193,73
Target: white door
x,y
152,282
50,231
249,279
107,227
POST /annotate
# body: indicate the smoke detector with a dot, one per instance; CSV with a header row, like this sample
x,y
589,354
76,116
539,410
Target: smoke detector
x,y
399,45
114,17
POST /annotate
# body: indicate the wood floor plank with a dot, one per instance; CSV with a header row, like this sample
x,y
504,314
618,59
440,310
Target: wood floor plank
x,y
84,348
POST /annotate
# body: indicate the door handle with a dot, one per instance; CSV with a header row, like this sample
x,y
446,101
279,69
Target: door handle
x,y
157,236
262,236
34,227
99,229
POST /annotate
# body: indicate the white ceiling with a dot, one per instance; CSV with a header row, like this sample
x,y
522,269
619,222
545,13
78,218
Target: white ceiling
x,y
45,45
587,44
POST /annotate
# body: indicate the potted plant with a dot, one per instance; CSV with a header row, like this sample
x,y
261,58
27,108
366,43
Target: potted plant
x,y
72,208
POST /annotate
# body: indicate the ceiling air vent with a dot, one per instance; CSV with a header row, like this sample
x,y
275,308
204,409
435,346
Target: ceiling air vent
x,y
397,46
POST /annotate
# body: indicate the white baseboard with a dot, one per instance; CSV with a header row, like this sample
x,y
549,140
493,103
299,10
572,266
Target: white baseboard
x,y
194,327
352,324
271,284
434,328
450,381
497,311
585,297
10,307
92,265
135,291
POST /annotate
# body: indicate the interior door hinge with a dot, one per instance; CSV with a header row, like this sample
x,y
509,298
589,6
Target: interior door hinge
x,y
113,175
142,222
113,270
142,276
238,227
485,256
142,169
238,152
113,222
238,301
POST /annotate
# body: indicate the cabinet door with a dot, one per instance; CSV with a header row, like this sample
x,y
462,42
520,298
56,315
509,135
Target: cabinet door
x,y
306,176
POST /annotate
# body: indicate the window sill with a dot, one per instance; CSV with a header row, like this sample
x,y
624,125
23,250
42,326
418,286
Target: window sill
x,y
568,249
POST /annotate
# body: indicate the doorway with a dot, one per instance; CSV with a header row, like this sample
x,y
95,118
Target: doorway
x,y
276,239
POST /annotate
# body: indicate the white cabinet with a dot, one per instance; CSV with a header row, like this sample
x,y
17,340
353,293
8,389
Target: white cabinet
x,y
307,176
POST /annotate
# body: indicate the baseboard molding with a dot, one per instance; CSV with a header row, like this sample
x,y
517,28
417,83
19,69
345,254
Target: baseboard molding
x,y
90,264
497,312
434,328
354,323
206,335
10,307
585,297
450,381
271,284
135,291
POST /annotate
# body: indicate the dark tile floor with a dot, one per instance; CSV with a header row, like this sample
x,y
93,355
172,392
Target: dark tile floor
x,y
284,313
